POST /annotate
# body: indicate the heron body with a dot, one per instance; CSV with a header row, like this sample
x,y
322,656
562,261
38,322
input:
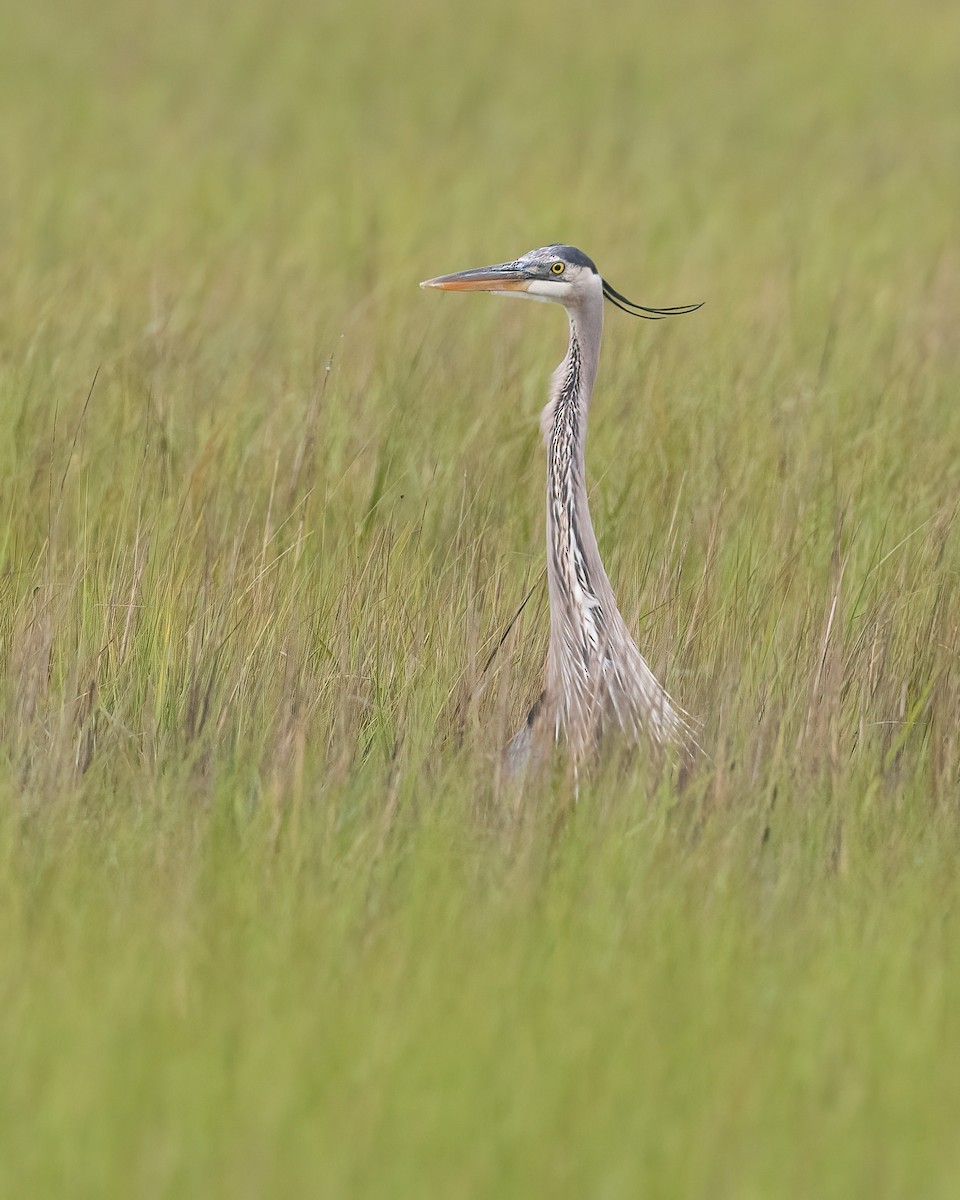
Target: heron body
x,y
596,678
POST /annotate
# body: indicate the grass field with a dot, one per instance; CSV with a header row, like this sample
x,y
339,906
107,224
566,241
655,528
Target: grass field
x,y
271,923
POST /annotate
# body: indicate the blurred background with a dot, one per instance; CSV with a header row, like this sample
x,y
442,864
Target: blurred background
x,y
310,159
210,202
270,923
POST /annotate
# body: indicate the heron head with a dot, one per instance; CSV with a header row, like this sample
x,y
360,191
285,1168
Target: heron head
x,y
558,274
553,273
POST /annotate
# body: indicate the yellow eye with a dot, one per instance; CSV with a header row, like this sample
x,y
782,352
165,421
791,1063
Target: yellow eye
x,y
557,268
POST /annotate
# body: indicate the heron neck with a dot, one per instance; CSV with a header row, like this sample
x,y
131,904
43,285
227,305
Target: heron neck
x,y
566,427
577,581
564,420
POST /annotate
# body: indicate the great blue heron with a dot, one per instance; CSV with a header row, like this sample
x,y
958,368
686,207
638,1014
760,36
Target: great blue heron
x,y
595,675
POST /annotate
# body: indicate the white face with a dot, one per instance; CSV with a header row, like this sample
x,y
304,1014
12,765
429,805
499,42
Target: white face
x,y
552,278
563,289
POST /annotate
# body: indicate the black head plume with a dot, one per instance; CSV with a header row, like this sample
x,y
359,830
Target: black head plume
x,y
640,310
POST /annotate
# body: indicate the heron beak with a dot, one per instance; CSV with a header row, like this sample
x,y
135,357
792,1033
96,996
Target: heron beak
x,y
504,277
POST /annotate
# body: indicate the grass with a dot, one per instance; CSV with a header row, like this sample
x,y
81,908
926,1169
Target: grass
x,y
271,923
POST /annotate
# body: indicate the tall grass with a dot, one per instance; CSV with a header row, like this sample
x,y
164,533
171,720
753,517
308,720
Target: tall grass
x,y
271,922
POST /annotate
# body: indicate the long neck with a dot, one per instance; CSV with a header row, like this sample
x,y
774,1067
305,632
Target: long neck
x,y
580,596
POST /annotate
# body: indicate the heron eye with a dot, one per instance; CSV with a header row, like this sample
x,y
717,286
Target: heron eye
x,y
557,268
